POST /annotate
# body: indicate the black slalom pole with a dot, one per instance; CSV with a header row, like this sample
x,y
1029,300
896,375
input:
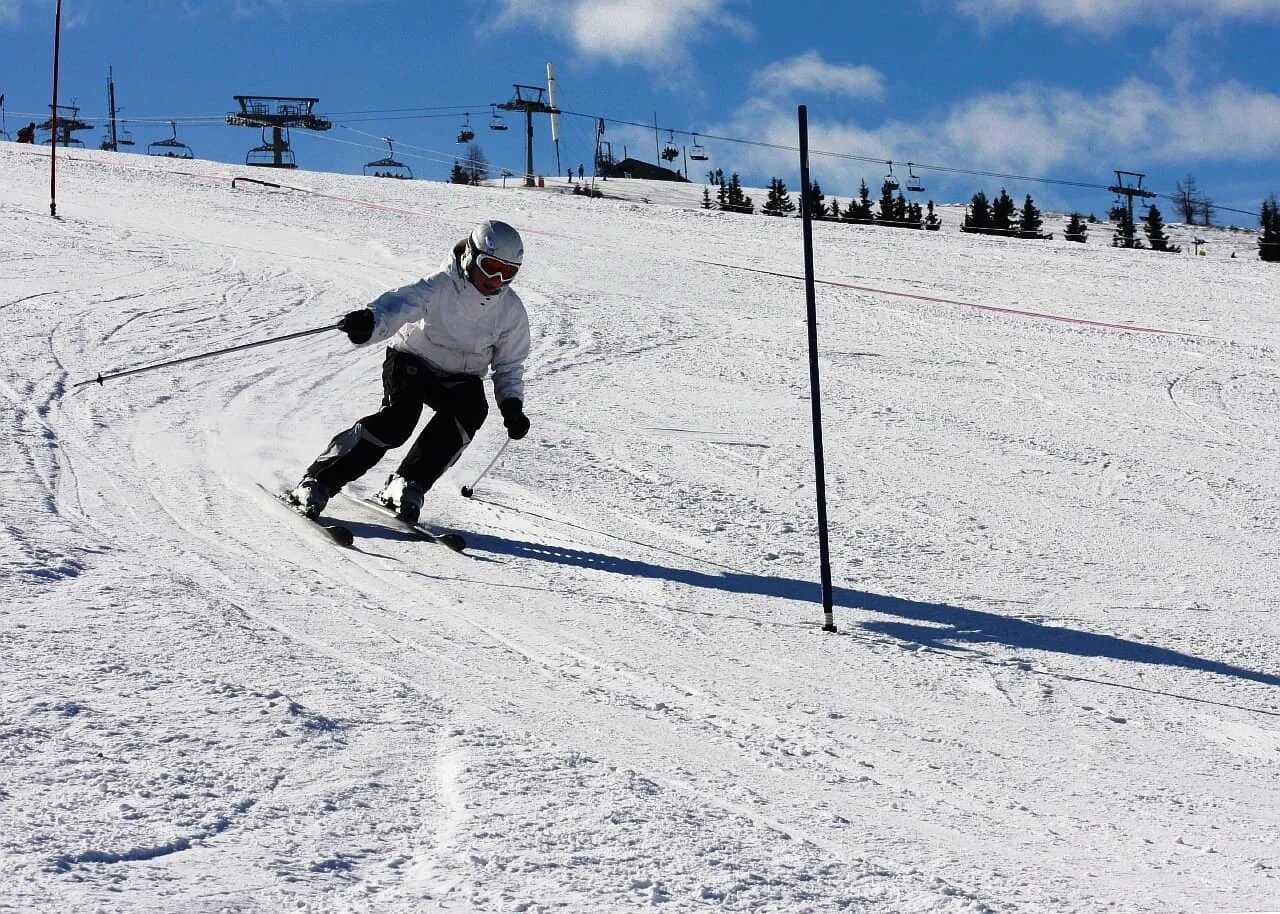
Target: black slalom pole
x,y
112,375
53,114
815,388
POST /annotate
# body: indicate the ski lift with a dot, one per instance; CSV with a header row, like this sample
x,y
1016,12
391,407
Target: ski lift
x,y
466,134
914,184
496,122
891,180
670,151
172,148
698,152
389,167
271,155
123,138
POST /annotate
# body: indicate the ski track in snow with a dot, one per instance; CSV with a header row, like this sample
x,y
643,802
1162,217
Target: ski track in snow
x,y
1056,686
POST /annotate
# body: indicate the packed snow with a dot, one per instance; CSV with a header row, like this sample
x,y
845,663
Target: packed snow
x,y
1056,681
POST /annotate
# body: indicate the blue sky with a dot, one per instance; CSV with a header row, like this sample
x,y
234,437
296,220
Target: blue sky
x,y
1067,89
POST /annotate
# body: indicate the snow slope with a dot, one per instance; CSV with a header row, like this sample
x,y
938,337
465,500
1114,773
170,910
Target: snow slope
x,y
1056,685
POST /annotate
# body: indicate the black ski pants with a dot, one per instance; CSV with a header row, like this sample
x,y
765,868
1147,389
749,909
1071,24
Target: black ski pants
x,y
408,384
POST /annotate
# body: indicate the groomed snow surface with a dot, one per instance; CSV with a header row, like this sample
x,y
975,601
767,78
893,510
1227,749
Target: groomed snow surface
x,y
1056,684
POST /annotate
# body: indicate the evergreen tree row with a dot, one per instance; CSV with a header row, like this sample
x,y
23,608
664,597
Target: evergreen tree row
x,y
729,196
1002,217
999,217
895,211
1126,233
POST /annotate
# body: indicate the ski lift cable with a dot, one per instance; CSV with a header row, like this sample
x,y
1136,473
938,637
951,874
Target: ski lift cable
x,y
439,154
435,156
924,166
452,111
428,155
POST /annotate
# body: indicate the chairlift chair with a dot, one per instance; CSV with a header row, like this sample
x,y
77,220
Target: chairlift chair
x,y
466,134
172,148
496,122
914,184
698,152
891,180
389,167
670,151
265,155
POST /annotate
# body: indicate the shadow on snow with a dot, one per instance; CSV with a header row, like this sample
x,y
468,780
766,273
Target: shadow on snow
x,y
946,626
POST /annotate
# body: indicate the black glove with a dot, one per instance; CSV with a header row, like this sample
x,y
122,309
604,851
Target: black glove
x,y
513,418
358,325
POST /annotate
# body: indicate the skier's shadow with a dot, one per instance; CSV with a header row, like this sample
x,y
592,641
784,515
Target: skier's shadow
x,y
931,624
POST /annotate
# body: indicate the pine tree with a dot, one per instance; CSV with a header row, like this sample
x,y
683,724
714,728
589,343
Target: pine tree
x,y
459,174
835,213
1269,243
1002,211
737,201
886,203
979,215
860,210
1031,221
1154,227
900,208
931,221
1126,231
706,197
722,196
1076,229
779,202
817,206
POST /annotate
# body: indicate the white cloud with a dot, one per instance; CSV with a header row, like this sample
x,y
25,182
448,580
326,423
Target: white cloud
x,y
1106,15
1041,128
1031,130
9,11
653,33
810,73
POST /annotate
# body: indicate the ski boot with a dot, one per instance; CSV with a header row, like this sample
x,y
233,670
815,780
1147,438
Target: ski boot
x,y
403,497
310,496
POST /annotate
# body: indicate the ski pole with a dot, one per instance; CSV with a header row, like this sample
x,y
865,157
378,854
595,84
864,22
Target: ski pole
x,y
468,491
111,376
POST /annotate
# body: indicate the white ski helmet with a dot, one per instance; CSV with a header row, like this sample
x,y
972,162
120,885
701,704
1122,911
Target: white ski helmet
x,y
497,240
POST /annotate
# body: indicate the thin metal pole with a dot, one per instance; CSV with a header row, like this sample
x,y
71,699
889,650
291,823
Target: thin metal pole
x,y
111,376
529,180
468,491
53,138
815,388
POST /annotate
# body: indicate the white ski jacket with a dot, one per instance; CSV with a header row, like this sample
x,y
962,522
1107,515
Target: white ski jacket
x,y
446,322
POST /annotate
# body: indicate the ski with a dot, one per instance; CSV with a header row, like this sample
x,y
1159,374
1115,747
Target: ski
x,y
337,532
454,541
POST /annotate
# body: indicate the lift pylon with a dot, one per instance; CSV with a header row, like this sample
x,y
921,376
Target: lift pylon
x,y
276,113
529,100
68,118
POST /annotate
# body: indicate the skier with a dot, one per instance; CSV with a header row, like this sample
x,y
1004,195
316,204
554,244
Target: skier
x,y
445,332
27,134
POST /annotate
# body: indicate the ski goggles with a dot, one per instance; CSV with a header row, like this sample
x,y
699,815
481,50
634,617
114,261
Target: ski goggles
x,y
494,268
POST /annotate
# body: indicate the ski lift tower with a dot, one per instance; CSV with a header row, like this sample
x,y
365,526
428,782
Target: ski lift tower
x,y
279,113
68,122
529,100
1130,190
